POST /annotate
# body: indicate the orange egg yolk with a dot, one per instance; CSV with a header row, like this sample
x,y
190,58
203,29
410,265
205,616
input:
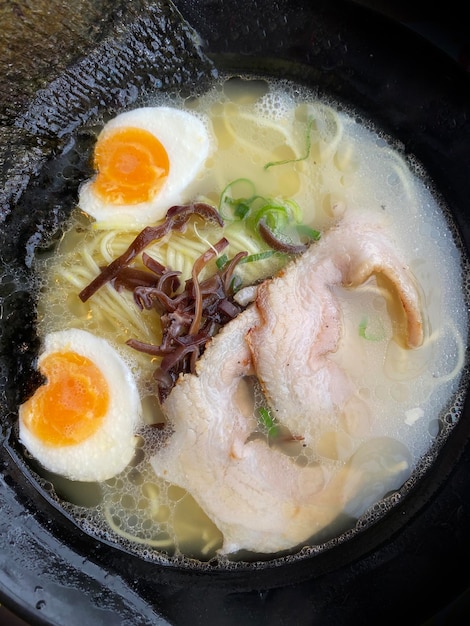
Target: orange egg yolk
x,y
71,406
131,165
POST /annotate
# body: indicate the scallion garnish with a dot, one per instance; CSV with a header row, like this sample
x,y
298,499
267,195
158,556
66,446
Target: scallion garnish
x,y
258,256
371,331
308,146
308,232
267,422
221,261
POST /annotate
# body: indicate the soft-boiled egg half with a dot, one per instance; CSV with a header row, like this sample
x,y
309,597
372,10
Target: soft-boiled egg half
x,y
81,423
144,159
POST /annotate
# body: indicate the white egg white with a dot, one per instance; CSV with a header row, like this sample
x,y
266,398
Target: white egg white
x,y
109,450
187,142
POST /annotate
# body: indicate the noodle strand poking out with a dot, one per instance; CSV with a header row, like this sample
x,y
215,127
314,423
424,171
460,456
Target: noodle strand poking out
x,y
283,169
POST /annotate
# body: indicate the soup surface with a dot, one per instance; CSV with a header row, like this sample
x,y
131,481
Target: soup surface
x,y
275,152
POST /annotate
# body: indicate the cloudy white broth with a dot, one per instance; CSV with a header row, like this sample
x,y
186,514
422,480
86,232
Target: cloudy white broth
x,y
292,178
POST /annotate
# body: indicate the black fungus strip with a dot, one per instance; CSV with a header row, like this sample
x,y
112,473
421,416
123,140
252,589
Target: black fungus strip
x,y
275,243
190,317
176,219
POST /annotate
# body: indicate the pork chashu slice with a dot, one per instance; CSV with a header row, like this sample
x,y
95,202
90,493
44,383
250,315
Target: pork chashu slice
x,y
300,320
258,497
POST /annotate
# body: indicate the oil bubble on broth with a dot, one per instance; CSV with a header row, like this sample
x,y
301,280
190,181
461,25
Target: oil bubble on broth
x,y
278,140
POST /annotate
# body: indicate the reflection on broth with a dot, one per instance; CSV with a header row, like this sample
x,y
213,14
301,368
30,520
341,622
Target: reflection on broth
x,y
276,142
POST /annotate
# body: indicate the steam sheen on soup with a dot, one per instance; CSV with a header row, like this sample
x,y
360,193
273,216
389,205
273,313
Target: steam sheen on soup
x,y
314,165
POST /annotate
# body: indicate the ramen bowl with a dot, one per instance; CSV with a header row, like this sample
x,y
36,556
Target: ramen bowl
x,y
397,562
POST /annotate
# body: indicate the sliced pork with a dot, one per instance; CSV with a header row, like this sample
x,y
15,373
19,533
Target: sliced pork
x,y
260,498
300,321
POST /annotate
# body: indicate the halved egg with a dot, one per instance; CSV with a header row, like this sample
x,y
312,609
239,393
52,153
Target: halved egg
x,y
144,161
81,423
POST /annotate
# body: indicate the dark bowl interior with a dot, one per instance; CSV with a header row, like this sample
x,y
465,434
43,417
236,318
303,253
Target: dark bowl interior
x,y
402,568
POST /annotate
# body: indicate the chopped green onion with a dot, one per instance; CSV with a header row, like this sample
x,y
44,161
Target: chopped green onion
x,y
376,333
308,145
268,422
235,284
362,328
310,233
241,209
221,261
226,197
258,215
277,215
258,256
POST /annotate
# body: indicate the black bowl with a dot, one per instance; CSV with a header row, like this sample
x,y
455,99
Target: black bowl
x,y
403,568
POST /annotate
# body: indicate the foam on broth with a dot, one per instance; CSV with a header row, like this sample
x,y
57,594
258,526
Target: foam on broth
x,y
411,395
